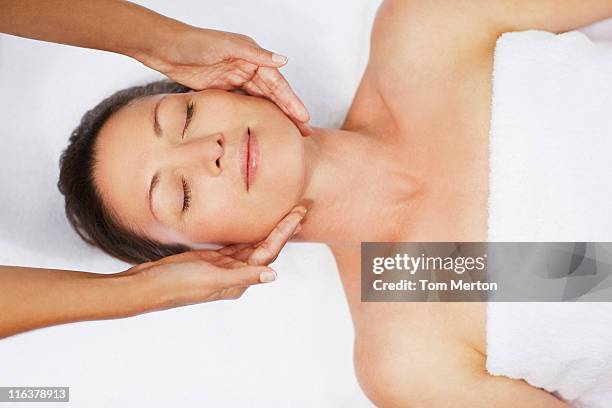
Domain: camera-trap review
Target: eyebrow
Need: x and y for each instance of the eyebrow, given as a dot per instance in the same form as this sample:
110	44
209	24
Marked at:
156	127
154	183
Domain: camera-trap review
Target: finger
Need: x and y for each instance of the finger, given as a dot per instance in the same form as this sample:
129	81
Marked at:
246	276
276	87
195	255
232	249
304	128
268	250
252	89
244	250
284	94
256	86
254	54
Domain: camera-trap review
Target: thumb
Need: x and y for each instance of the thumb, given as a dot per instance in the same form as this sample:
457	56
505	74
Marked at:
260	56
247	276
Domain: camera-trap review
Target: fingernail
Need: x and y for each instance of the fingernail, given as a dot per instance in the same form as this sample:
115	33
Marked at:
305	114
279	59
267	276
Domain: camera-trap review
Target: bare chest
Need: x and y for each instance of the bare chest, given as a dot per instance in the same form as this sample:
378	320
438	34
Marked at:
449	143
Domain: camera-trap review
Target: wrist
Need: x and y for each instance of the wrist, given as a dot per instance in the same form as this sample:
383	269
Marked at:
113	296
154	50
138	291
146	288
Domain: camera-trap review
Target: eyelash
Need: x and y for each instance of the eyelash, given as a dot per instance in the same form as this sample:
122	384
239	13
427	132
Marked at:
188	116
186	195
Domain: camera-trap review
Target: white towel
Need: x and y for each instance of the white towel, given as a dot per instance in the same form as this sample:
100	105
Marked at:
551	138
551	180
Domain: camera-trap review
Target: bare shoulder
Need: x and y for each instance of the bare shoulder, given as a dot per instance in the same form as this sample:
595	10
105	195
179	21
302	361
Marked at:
419	361
430	47
417	31
415	358
474	25
420	51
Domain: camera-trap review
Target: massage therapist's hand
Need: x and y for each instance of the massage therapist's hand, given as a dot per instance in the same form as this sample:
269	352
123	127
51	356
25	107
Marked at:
208	275
37	297
195	57
202	58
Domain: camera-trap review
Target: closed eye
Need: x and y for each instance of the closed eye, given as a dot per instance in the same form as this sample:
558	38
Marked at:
186	195
188	115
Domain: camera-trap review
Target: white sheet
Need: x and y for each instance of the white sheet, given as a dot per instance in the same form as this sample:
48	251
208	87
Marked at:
285	344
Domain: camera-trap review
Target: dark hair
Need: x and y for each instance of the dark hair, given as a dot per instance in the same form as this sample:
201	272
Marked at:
84	207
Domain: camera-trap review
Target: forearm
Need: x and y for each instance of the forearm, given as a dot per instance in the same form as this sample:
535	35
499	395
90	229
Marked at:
110	25
31	298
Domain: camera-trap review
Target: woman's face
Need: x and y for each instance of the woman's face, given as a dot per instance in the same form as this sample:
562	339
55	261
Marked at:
172	167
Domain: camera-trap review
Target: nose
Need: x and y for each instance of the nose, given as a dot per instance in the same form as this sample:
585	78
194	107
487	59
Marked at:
205	152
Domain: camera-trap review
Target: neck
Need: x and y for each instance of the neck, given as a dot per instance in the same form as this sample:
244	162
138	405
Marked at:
357	187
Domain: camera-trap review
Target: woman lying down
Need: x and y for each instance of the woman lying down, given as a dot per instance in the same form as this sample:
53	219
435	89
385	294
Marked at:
170	169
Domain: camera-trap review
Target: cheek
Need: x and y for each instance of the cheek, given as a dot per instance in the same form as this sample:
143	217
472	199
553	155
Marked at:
212	219
224	217
286	166
288	183
230	219
280	187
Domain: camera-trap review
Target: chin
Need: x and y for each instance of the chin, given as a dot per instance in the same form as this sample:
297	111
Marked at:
281	171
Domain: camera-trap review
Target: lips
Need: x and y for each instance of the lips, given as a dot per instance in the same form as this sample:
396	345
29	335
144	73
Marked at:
249	157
